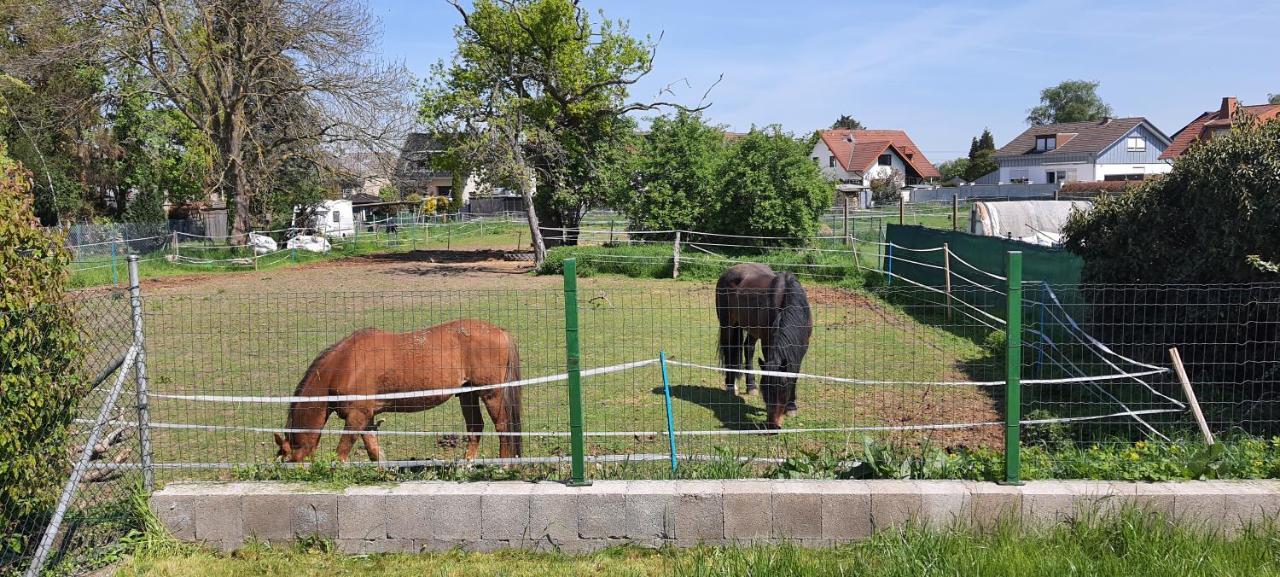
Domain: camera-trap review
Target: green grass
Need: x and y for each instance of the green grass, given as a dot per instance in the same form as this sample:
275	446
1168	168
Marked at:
261	343
829	262
1128	544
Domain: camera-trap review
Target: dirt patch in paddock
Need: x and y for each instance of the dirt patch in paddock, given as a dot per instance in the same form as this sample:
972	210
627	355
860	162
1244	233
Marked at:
407	271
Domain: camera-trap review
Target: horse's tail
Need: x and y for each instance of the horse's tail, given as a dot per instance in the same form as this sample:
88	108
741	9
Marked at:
511	395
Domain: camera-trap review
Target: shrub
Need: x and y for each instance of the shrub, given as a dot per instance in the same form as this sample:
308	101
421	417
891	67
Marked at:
675	174
1215	218
768	186
1200	223
39	350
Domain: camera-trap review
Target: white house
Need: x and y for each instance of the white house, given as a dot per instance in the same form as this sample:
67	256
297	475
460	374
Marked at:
330	218
854	158
1107	149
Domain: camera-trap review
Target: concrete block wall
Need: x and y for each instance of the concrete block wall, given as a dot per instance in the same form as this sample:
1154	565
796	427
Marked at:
435	516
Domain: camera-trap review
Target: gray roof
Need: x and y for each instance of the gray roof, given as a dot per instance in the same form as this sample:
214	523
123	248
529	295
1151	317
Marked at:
1091	137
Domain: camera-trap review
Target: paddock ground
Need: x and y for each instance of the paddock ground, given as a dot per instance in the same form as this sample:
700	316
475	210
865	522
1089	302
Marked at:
254	333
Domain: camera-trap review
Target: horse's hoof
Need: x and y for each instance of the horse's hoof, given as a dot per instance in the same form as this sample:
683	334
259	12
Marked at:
732	389
792	409
751	389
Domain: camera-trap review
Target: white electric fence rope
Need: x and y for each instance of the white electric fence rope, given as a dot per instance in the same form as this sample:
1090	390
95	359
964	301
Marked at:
402	395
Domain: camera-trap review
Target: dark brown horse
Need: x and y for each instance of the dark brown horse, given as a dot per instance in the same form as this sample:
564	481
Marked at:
461	353
753	303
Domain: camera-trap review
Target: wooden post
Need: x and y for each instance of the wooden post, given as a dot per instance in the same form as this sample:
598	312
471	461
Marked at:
901	215
955	212
519	237
1191	395
611	232
675	257
857	261
846	219
946	270
173	240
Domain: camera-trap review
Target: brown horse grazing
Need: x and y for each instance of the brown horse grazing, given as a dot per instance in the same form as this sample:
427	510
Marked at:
459	353
754	303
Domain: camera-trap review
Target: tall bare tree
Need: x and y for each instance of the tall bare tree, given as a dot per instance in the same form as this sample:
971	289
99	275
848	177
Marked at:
265	80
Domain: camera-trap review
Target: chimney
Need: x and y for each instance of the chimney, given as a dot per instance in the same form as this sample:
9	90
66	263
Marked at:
1228	109
1105	121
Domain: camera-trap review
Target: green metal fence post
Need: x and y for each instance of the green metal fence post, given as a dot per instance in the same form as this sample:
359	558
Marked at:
1013	369
573	360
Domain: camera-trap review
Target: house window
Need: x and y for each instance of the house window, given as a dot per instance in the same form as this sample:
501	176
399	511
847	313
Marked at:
831	161
1135	144
1046	143
444	190
1018	176
885	160
1059	176
1123	177
335	216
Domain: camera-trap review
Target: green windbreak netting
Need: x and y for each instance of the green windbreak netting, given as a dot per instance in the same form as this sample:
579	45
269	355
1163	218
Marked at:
975	262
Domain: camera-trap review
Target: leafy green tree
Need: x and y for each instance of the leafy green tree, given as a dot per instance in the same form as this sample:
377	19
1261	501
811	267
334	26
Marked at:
1069	101
675	174
537	92
1273	98
162	156
769	187
848	123
39	358
954	168
982	160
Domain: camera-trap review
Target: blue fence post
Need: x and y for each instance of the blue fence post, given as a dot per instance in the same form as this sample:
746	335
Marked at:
671	425
888	266
115	273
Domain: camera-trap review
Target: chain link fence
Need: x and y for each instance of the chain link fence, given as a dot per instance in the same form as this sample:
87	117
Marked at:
76	517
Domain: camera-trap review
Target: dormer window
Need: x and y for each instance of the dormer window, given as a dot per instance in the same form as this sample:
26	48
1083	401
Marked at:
831	161
1046	143
1135	144
885	160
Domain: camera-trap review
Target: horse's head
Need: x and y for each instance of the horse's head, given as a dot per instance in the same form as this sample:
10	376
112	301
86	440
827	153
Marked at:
777	391
296	447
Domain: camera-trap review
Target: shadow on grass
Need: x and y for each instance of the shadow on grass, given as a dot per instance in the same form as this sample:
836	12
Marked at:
731	410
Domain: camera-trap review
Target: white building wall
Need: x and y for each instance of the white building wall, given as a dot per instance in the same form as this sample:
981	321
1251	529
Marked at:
895	162
823	154
1038	174
1102	170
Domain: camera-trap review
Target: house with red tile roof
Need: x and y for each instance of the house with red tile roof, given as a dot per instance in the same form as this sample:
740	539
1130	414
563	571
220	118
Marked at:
1106	149
854	158
1214	122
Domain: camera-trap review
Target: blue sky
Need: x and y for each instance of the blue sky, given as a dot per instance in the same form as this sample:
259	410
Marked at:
941	70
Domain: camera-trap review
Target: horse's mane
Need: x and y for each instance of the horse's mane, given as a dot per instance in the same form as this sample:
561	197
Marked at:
314	368
792	322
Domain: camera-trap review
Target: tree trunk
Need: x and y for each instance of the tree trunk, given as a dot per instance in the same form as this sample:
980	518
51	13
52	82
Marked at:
235	181
535	230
